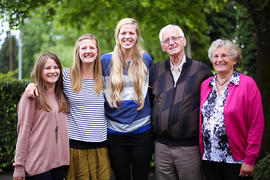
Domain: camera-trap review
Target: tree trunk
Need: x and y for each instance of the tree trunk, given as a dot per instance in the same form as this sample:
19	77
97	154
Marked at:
262	24
261	19
10	50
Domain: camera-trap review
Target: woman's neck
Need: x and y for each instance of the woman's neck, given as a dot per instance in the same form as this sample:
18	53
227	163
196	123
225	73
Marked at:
128	54
223	79
88	70
224	76
50	88
50	92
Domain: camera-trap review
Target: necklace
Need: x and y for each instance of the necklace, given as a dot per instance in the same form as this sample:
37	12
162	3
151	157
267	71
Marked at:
220	85
56	127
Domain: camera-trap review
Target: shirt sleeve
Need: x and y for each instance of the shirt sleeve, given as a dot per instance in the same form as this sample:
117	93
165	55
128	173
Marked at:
26	113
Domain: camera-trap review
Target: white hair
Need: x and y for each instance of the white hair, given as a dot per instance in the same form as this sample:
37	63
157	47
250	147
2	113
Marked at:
181	33
233	48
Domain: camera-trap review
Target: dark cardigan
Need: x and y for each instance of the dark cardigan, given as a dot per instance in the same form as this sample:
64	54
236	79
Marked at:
175	110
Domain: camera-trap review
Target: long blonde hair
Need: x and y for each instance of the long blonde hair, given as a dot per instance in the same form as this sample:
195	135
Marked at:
76	69
136	72
36	77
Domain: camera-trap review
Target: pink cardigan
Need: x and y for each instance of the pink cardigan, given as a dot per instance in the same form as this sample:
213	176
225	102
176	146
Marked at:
37	149
243	116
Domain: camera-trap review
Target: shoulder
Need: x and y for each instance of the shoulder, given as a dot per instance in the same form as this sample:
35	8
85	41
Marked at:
246	78
161	63
247	81
106	61
199	67
26	102
206	82
147	59
24	99
66	72
106	57
159	68
201	64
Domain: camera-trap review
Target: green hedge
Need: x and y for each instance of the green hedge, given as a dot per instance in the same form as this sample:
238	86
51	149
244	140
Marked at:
10	93
262	168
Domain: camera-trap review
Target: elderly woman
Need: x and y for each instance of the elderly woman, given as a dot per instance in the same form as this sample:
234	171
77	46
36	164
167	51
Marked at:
231	117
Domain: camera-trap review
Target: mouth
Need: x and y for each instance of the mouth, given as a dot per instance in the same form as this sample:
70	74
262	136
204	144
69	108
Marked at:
127	42
88	55
53	75
171	48
220	65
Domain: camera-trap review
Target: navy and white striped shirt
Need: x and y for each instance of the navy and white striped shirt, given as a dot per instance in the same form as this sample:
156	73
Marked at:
127	119
86	119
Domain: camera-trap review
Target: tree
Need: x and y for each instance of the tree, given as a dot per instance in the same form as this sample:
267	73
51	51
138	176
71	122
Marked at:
32	32
39	35
259	11
100	18
5	54
234	23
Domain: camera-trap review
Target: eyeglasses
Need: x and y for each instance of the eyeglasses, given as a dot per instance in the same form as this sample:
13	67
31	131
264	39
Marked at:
172	39
222	56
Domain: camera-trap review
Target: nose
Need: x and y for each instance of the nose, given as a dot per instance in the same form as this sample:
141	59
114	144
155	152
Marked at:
171	41
219	58
53	70
127	35
87	50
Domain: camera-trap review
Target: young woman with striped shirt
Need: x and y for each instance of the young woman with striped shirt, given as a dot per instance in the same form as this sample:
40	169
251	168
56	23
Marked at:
87	126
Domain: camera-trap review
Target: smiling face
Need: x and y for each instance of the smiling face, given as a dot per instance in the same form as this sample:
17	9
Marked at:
88	51
127	36
172	43
222	60
51	72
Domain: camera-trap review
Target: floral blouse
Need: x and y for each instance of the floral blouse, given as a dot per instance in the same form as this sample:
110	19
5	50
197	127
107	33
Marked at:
215	140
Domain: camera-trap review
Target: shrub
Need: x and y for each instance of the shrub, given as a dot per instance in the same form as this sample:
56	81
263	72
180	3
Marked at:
262	168
10	93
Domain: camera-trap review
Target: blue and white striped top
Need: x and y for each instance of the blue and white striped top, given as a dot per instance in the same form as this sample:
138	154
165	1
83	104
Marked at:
127	119
86	119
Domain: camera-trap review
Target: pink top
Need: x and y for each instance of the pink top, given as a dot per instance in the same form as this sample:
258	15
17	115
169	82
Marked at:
39	147
243	116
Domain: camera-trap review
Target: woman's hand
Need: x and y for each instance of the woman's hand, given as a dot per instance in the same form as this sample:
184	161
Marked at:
246	170
31	90
19	178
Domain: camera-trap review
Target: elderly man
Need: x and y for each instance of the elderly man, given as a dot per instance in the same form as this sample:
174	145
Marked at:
175	97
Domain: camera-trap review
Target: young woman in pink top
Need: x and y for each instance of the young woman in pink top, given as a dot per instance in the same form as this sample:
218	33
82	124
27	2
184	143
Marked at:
42	148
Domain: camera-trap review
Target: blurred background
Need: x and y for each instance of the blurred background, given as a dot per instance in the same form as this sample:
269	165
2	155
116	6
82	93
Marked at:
30	27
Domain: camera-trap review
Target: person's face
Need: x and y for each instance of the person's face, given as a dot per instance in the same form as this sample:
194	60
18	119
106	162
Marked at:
88	51
51	72
223	61
172	43
127	36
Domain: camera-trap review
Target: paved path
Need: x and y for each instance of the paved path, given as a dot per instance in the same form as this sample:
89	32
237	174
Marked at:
6	176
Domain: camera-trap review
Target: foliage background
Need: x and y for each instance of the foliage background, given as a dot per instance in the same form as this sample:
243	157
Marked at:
10	92
54	25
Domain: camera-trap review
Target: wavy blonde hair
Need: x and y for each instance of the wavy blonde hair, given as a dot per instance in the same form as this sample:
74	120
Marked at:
36	77
136	72
76	71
